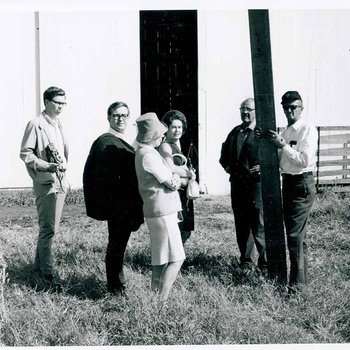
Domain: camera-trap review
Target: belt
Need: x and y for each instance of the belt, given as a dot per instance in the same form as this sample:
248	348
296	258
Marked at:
297	176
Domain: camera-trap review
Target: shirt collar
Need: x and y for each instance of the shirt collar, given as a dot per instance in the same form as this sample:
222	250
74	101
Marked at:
251	126
52	122
177	143
143	145
297	124
116	133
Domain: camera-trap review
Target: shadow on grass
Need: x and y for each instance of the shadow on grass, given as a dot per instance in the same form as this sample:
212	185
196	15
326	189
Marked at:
84	287
225	270
222	268
75	285
139	261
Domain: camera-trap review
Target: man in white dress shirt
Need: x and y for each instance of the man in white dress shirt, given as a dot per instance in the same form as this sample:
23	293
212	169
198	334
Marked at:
297	146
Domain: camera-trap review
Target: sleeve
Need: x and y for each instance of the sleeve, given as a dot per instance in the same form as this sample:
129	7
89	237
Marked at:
166	152
225	152
153	164
306	149
28	149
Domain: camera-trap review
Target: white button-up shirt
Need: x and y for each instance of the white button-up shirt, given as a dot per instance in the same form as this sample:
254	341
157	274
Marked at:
55	136
299	154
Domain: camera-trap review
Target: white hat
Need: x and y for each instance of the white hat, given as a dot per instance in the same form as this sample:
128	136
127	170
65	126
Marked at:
149	127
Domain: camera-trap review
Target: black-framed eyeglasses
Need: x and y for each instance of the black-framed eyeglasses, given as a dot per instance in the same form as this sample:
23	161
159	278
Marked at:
243	109
120	116
58	103
292	108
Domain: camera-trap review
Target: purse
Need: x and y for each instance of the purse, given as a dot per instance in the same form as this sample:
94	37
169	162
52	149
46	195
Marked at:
192	190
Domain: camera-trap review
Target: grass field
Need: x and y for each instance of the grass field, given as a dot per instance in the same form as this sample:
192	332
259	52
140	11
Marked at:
211	302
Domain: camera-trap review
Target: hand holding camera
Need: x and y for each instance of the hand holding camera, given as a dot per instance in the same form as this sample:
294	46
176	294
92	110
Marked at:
54	158
53	167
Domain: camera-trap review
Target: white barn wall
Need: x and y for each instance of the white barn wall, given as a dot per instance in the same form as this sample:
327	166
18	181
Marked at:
94	56
225	80
17	91
310	53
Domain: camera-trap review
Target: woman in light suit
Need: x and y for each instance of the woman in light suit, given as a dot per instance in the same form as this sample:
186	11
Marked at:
158	187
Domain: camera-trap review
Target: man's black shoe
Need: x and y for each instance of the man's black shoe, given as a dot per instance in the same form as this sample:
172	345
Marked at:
264	272
246	270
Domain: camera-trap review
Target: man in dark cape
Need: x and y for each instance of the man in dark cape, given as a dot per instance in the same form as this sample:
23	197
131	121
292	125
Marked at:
111	191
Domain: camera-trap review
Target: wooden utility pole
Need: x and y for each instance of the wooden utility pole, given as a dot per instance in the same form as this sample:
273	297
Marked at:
37	62
269	164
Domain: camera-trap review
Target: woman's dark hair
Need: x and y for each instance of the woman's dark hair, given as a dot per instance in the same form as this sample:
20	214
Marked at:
175	115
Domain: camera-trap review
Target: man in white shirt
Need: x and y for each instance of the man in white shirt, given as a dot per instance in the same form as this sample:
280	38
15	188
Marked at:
48	173
297	146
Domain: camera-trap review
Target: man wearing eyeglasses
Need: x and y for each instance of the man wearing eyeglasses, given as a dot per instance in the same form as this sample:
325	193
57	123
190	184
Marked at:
44	150
111	191
297	147
240	158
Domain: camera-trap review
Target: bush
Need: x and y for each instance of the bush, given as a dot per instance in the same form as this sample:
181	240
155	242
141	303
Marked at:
25	198
331	205
17	198
75	196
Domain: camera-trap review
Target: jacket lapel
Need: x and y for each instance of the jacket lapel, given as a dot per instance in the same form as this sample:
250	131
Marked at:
43	128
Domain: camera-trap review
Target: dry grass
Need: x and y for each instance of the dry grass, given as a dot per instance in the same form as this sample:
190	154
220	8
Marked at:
211	303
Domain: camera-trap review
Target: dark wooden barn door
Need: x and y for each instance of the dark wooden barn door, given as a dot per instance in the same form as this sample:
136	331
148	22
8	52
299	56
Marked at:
169	60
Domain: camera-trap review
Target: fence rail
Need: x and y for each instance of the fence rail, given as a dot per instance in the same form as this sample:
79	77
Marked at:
333	157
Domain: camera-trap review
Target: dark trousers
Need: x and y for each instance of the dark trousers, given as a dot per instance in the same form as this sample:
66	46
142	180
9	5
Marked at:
247	208
117	241
298	196
187	224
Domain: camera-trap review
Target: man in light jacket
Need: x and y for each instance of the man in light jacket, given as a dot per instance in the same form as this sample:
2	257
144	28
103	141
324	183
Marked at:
44	150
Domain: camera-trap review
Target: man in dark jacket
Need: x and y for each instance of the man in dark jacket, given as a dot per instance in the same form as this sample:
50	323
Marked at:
240	158
111	191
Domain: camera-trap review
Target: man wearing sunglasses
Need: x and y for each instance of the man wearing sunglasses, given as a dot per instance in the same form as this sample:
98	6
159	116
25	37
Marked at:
297	147
111	191
44	150
240	158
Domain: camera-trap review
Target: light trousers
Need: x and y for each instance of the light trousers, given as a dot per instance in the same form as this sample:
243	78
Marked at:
49	207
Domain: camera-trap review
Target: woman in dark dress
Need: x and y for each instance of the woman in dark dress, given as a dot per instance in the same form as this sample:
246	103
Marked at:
170	150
